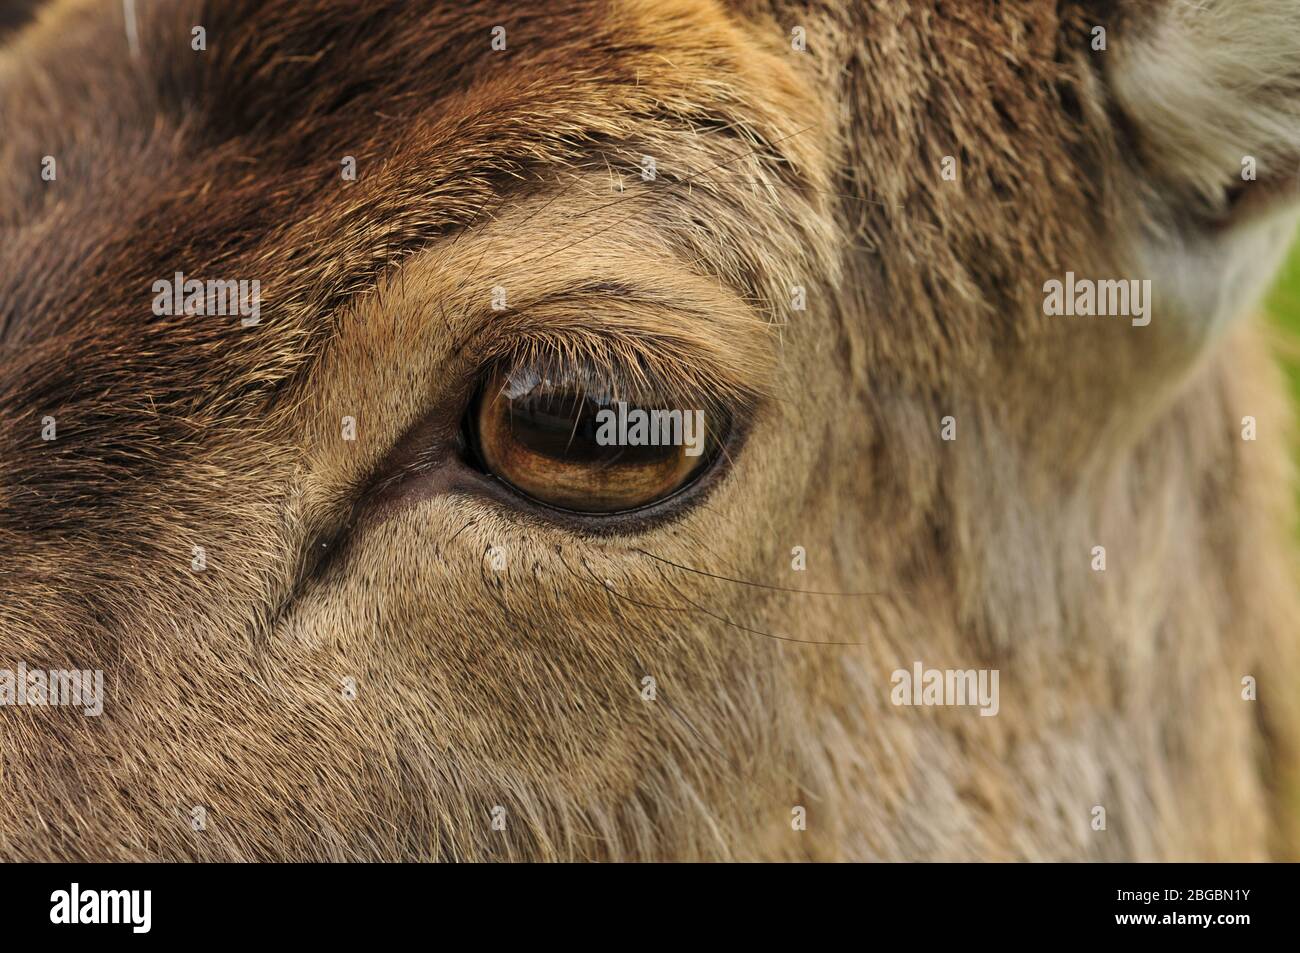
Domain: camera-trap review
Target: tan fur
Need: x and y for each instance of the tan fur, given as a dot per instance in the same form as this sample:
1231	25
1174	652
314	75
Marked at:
521	688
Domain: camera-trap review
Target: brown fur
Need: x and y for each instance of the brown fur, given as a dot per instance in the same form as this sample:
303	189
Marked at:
522	688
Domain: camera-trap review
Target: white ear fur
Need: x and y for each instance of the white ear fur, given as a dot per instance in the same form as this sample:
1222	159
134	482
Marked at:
1210	82
1207	84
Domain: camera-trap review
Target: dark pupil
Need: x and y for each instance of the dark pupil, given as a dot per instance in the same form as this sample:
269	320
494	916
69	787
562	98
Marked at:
564	425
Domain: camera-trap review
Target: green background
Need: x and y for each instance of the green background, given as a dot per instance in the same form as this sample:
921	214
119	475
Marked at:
1284	305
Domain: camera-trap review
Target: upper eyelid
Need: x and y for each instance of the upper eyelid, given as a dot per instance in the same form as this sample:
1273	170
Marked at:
609	382
629	280
642	338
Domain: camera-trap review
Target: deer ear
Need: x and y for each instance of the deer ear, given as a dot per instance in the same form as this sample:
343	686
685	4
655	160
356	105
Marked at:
1212	89
1210	94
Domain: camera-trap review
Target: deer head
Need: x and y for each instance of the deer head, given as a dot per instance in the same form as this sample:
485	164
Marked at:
324	332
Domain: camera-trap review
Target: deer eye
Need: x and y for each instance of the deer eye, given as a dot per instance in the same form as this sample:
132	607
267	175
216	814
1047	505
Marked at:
572	441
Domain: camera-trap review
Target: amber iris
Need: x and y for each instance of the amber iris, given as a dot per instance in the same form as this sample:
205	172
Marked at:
564	443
